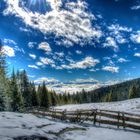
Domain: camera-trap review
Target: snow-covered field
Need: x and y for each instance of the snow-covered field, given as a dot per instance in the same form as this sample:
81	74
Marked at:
132	105
13	125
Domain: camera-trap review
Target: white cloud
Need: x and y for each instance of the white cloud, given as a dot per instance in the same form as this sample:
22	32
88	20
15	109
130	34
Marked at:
31	76
24	29
46	80
93	70
59	54
72	22
116	28
33	66
17	48
89	80
118	33
78	52
47	61
111	69
45	46
136	7
33	56
135	37
87	62
110	42
39	64
137	54
9	41
31	44
122	60
9	51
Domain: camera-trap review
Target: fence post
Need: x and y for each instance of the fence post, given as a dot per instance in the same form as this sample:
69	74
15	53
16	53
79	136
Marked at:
77	117
53	113
64	115
95	114
123	119
118	119
99	117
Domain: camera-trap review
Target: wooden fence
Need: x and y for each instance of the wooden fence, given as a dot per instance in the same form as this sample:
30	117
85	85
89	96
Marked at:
117	118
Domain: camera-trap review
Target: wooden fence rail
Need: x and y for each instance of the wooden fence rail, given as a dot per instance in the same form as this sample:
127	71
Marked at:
117	118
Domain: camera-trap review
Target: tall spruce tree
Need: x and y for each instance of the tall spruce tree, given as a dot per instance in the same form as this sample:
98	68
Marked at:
25	89
4	89
16	98
53	98
34	97
133	92
44	97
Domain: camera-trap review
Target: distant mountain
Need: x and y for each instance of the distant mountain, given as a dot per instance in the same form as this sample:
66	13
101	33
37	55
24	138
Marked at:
121	91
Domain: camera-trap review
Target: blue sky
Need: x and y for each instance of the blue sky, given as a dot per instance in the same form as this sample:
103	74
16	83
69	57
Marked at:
72	44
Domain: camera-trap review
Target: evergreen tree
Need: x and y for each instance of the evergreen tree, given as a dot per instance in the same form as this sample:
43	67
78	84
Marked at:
53	98
4	89
84	96
39	90
133	92
65	98
34	97
25	89
16	99
44	97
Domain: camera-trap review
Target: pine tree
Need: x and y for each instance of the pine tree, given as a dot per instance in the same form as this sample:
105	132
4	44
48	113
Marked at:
34	97
4	89
133	92
25	89
39	90
16	99
53	98
44	97
84	96
65	98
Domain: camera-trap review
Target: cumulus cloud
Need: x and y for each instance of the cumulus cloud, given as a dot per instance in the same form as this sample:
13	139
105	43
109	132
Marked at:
31	76
9	41
33	56
31	44
136	7
135	37
87	62
39	63
24	29
110	42
73	22
33	66
116	28
47	61
84	81
45	46
122	60
111	69
59	54
118	32
78	52
9	51
137	54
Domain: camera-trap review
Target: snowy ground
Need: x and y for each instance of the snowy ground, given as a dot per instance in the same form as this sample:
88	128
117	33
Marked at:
13	125
132	105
